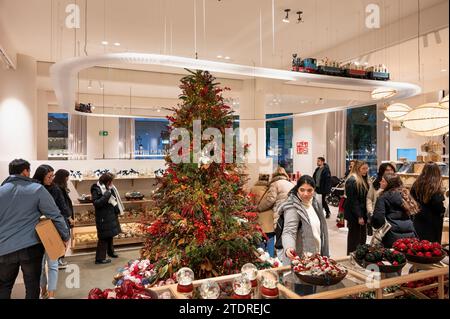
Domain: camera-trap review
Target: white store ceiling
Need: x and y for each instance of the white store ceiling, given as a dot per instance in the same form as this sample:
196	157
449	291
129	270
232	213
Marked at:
227	27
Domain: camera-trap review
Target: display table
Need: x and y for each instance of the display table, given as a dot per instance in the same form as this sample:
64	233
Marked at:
358	280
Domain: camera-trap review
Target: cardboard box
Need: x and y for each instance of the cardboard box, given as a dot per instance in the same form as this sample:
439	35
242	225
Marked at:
54	245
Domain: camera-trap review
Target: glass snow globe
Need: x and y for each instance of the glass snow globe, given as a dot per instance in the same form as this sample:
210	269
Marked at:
242	287
251	272
269	284
210	290
185	277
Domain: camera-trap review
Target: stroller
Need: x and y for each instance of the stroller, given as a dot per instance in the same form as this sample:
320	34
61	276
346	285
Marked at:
337	191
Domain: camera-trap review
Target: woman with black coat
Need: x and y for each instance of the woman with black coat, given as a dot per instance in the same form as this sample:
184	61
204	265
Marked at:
395	206
60	193
427	191
107	209
355	209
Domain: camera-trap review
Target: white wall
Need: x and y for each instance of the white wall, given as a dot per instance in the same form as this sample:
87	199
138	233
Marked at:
42	125
102	146
405	139
313	130
87	165
18	110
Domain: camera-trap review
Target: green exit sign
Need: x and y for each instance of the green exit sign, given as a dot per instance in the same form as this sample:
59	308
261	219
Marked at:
103	133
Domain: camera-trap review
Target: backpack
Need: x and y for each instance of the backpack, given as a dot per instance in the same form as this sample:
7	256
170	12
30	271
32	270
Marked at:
279	231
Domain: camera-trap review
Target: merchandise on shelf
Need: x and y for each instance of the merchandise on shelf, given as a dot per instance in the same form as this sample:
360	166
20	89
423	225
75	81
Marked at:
134	195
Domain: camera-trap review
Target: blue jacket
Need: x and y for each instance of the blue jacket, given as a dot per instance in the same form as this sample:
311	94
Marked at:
22	202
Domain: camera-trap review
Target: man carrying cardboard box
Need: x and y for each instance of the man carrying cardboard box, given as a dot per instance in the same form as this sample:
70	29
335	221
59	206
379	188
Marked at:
22	202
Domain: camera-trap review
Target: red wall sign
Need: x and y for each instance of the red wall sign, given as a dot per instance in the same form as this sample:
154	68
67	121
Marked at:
302	147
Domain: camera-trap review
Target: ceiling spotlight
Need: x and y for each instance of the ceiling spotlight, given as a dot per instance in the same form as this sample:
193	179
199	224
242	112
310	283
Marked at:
158	110
105	42
286	18
117	44
300	18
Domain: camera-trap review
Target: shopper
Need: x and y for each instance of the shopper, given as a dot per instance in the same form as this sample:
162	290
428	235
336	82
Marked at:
278	190
305	228
322	178
350	167
60	191
427	190
22	202
396	207
375	190
265	218
355	209
107	208
44	175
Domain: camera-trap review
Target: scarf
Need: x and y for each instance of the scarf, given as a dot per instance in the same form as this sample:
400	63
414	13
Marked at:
113	200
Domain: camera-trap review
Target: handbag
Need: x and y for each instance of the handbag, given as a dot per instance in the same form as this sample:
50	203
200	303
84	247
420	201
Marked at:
379	233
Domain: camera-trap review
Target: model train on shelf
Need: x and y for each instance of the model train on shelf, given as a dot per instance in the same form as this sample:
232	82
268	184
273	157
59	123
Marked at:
329	67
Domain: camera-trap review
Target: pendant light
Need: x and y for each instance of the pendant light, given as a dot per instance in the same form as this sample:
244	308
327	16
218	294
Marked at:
444	102
397	111
383	93
429	119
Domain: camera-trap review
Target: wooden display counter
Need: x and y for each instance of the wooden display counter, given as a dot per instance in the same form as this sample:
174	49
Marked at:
357	281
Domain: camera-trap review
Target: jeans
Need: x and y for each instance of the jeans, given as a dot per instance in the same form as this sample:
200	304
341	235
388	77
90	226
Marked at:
103	246
269	245
30	261
52	273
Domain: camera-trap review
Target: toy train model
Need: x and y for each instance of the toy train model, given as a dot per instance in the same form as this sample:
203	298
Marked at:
329	67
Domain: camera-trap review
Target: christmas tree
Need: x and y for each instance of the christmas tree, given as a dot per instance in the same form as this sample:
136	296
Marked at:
204	219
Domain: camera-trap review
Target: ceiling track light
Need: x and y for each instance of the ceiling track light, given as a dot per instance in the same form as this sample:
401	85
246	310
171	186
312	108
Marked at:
286	18
300	18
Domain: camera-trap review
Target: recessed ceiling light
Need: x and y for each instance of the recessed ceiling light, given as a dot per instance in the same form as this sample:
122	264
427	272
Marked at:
89	85
117	44
105	42
444	70
219	57
227	58
158	110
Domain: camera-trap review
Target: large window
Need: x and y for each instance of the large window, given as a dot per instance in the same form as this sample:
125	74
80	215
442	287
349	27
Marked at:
362	136
284	151
58	133
152	138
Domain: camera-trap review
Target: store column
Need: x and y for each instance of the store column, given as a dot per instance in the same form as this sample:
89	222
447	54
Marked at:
18	125
253	131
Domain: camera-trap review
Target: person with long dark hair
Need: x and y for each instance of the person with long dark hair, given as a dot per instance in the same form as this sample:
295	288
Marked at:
305	228
355	208
60	192
428	192
375	189
396	207
107	209
44	174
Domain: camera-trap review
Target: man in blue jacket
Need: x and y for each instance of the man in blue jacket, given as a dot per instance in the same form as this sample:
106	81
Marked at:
22	202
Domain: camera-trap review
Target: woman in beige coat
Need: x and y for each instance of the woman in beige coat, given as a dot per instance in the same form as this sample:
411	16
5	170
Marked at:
278	190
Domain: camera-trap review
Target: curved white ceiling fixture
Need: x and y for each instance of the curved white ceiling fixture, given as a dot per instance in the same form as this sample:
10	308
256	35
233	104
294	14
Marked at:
63	74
